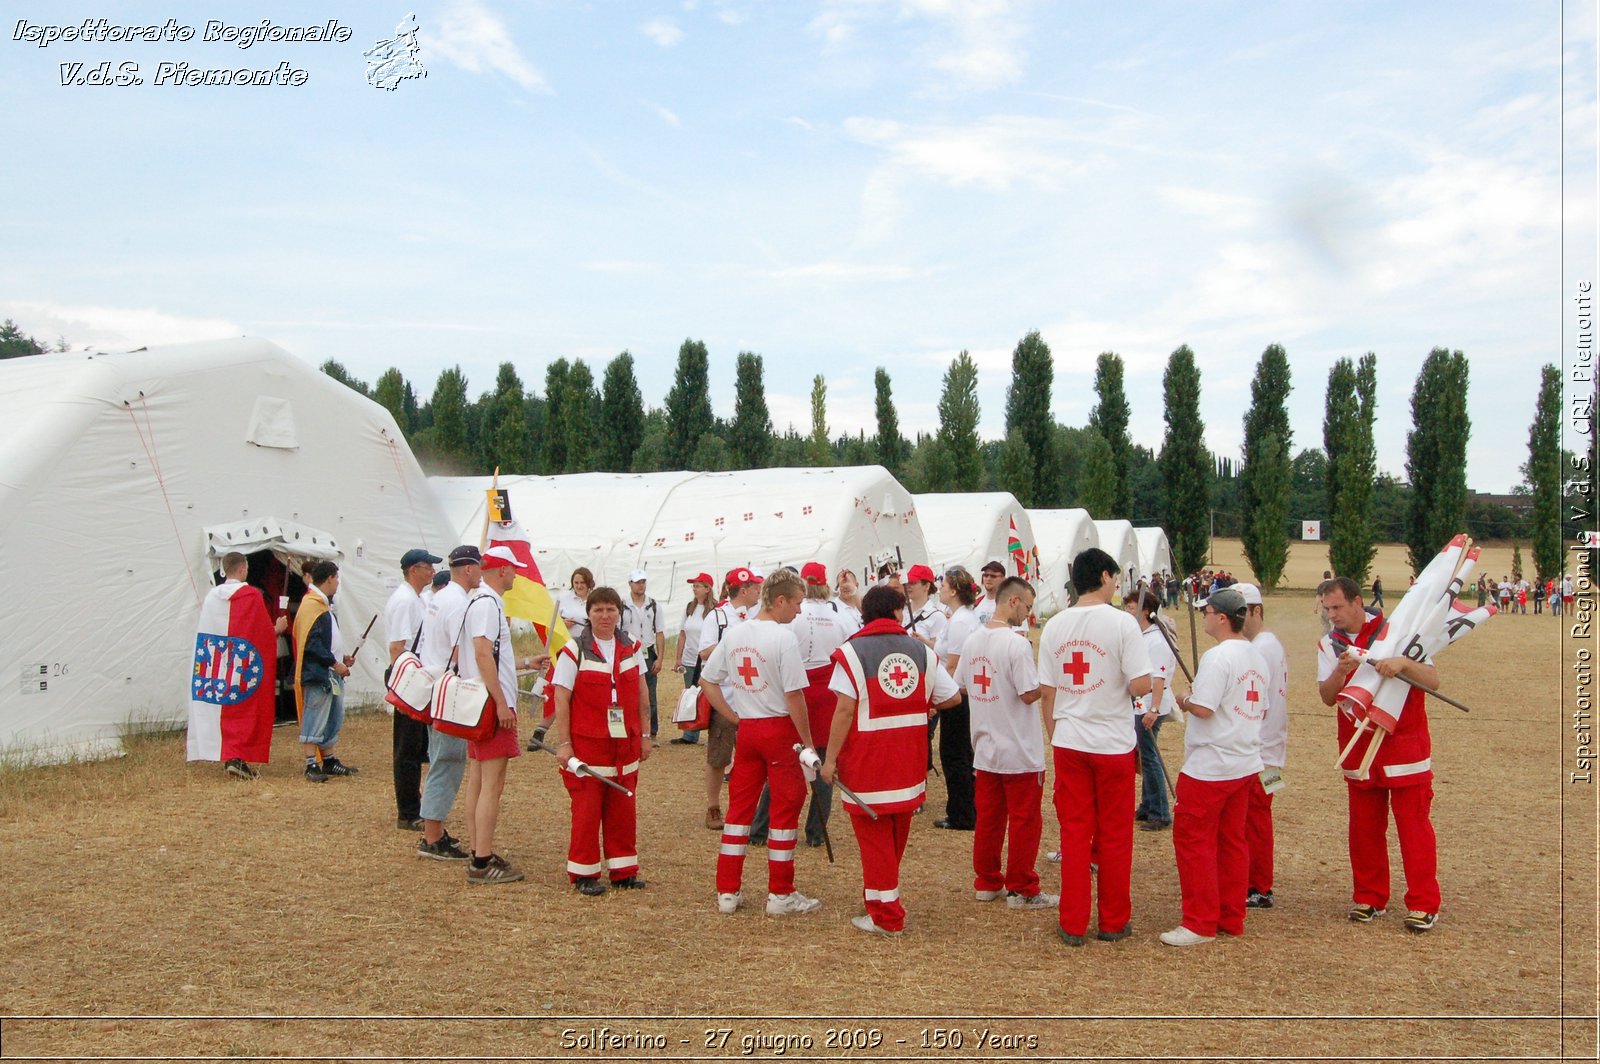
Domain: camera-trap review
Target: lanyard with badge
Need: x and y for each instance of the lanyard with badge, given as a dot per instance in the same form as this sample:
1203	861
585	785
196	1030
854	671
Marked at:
616	727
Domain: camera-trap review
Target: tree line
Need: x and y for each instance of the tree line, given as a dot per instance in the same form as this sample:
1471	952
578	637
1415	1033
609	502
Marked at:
575	425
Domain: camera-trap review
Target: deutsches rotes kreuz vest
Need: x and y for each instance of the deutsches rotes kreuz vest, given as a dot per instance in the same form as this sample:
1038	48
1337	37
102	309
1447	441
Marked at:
885	755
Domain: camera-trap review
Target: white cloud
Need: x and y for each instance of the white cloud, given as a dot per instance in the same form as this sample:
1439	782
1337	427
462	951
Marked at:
620	266
112	328
476	40
663	31
994	152
669	117
843	271
961	45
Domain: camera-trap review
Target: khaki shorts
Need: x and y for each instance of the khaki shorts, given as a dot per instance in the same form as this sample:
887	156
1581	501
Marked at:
720	738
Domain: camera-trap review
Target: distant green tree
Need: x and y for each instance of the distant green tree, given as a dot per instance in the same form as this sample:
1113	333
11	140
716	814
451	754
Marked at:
689	413
1265	533
1186	468
332	368
579	413
1544	475
961	464
1097	488
503	436
395	395
651	456
14	343
621	416
750	434
1028	412
1308	501
1436	455
451	443
1015	473
819	453
891	446
553	454
1110	418
1352	465
710	454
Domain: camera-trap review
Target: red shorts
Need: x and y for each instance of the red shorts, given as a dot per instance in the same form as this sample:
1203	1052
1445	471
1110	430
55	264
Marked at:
503	743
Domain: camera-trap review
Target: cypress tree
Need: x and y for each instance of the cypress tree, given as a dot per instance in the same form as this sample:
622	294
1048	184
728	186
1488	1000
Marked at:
1352	465
1097	486
1543	473
1028	412
621	415
450	441
1185	472
1016	466
1436	455
554	452
1110	418
689	404
503	438
1339	411
958	460
891	448
1266	539
578	409
818	452
750	435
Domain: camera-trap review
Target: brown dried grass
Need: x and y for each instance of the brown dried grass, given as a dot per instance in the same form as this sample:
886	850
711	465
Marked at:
146	887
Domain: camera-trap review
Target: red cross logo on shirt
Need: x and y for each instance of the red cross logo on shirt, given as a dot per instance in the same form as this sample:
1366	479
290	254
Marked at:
983	680
748	672
1252	695
1077	668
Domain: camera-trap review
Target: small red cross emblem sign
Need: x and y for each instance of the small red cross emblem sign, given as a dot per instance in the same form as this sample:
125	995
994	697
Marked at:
748	672
983	680
899	675
1077	668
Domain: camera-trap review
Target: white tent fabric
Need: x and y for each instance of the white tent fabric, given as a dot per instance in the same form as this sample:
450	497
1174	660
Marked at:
1155	554
124	477
676	525
1116	538
1063	535
971	528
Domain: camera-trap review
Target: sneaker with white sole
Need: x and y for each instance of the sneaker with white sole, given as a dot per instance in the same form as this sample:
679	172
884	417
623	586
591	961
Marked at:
791	904
728	904
1054	857
864	922
1364	914
498	870
1182	936
446	849
1040	900
1418	921
989	895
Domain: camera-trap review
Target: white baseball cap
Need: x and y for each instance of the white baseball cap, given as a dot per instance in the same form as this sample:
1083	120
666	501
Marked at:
637	575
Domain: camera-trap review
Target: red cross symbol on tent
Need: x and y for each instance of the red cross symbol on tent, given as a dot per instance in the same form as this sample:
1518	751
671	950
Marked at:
983	680
748	672
1077	668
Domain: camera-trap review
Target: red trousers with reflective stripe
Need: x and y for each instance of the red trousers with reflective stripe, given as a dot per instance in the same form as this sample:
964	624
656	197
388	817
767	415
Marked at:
1369	845
1258	837
598	810
763	755
883	843
1094	802
1007	802
1208	838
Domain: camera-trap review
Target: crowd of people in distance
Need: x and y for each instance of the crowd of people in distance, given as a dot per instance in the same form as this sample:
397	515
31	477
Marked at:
1514	593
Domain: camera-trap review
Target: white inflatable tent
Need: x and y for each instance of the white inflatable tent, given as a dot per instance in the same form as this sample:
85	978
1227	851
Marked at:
127	476
971	528
676	525
1063	535
1116	538
1155	554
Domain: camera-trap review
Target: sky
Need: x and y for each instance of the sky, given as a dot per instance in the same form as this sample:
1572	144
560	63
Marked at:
836	185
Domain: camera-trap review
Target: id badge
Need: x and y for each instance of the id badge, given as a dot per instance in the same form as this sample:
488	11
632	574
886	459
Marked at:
1272	780
614	723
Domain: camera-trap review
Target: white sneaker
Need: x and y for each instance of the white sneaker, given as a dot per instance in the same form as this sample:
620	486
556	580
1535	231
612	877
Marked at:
787	904
989	895
1033	901
1182	936
1054	857
864	922
728	904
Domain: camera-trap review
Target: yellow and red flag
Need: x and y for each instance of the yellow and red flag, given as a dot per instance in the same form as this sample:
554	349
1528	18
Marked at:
528	597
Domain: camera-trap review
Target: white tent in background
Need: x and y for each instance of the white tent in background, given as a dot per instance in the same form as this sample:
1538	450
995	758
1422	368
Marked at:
675	525
125	479
1117	539
1063	534
971	528
1155	554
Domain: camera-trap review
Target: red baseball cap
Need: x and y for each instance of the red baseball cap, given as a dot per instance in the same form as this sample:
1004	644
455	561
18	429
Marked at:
814	573
703	578
920	573
741	576
496	557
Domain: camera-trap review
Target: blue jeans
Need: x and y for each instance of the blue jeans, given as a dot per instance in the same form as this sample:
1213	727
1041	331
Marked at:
323	717
1153	801
447	763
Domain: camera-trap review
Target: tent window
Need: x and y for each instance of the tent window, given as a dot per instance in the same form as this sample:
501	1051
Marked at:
272	424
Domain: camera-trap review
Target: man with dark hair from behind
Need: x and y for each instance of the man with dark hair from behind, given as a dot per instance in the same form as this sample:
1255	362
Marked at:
320	668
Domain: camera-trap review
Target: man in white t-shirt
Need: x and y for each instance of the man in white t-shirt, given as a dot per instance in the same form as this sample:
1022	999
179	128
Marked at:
1092	663
997	670
402	622
758	664
1222	759
641	622
990	576
447	754
1274	748
744	594
485	654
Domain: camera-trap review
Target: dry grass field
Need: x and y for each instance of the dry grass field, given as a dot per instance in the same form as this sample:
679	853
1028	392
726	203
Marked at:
161	910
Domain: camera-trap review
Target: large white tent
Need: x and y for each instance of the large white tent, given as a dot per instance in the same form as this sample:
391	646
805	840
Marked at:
971	528
1063	535
675	525
123	480
1117	539
1155	554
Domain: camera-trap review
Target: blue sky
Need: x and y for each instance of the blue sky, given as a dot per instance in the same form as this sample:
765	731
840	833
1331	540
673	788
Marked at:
837	186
